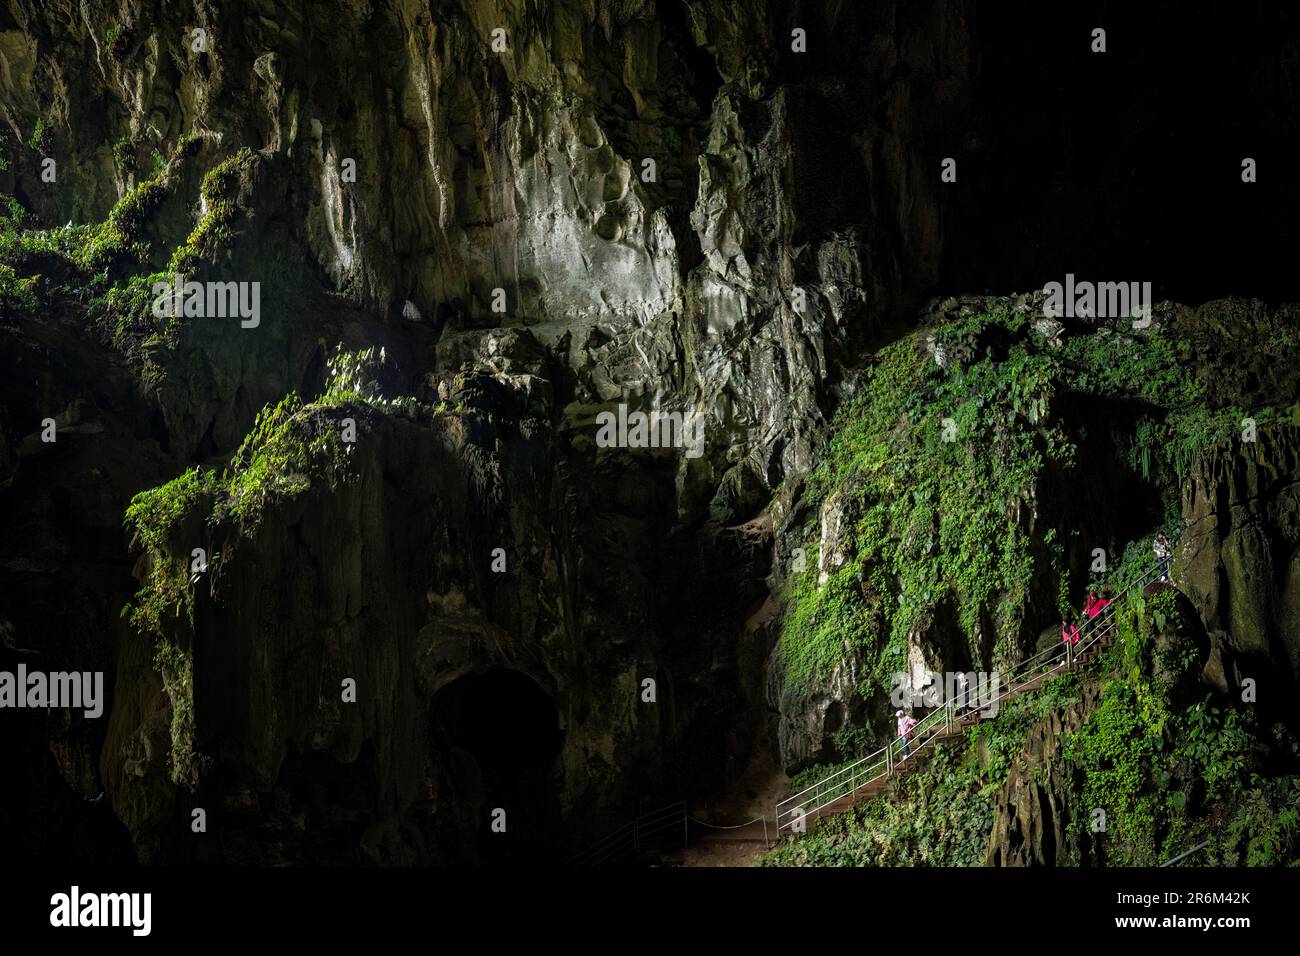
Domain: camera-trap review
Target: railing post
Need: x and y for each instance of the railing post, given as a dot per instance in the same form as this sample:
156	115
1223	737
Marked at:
949	716
889	760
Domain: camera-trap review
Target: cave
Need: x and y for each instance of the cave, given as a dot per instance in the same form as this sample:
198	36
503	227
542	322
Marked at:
500	732
474	258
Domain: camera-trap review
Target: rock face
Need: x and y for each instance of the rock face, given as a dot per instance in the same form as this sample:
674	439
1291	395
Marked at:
387	581
1239	559
1032	811
623	202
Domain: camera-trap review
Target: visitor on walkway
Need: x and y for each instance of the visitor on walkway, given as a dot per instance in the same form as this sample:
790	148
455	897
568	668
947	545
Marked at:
1094	605
905	725
1069	633
1163	552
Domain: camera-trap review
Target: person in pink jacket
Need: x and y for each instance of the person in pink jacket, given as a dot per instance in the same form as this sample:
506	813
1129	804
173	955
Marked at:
905	725
1069	633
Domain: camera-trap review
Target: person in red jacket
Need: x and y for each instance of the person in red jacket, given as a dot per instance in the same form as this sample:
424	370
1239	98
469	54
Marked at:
1094	605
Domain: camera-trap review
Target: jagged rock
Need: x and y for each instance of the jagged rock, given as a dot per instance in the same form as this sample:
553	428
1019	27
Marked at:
1237	559
1033	809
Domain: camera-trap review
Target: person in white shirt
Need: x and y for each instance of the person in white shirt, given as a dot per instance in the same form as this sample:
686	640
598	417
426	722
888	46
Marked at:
1163	552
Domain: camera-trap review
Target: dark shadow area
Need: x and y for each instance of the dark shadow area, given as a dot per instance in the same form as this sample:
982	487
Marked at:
1107	502
43	820
502	735
1127	165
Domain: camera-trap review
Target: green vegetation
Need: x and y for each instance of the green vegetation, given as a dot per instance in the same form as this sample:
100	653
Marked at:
176	665
933	527
153	516
941	813
290	448
1156	372
101	264
927	535
17	293
124	155
215	228
936	533
1168	776
12	214
116	41
39	140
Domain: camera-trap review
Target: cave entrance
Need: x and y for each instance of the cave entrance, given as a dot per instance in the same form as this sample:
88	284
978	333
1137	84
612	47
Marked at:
502	732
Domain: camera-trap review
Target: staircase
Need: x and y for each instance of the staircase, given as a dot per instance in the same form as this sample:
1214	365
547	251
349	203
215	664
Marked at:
866	777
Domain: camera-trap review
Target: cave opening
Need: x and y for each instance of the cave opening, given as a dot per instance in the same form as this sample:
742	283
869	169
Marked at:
502	734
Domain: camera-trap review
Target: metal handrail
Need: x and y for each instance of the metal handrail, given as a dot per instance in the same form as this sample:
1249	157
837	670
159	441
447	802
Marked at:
630	834
1055	658
1183	856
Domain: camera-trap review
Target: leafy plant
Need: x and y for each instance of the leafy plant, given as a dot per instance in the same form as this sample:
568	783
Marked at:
39	140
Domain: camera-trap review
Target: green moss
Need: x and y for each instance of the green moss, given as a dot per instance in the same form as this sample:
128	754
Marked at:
121	239
222	180
291	448
13	215
17	293
187	147
39	140
165	600
154	514
215	229
176	666
124	155
116	42
100	259
937	531
935	528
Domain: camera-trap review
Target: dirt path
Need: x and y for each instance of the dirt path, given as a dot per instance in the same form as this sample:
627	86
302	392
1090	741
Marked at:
752	796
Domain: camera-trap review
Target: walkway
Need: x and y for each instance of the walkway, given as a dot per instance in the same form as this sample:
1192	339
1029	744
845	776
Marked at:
707	843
